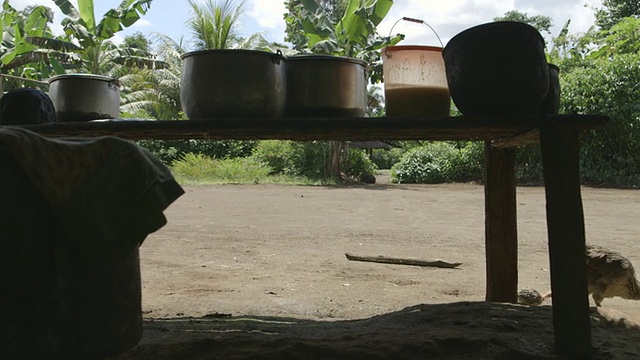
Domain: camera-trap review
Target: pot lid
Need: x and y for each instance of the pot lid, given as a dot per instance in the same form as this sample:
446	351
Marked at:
503	26
326	57
82	76
228	51
411	47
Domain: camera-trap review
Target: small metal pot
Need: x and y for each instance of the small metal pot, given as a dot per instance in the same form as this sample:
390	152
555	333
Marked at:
319	85
84	97
232	83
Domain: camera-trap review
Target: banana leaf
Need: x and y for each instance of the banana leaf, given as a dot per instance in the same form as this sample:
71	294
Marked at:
53	44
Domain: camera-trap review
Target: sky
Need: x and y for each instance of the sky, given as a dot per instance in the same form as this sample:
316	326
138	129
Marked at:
447	18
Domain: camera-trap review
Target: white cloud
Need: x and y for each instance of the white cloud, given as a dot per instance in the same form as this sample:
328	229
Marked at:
268	18
142	23
450	17
447	17
268	13
117	39
21	4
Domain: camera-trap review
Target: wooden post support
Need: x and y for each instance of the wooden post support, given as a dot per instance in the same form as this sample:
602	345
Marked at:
501	236
565	222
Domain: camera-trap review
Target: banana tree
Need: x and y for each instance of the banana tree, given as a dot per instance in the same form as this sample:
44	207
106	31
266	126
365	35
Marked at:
312	29
28	49
99	53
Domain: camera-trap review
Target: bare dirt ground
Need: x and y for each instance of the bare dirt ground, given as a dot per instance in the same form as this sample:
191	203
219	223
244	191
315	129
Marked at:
259	271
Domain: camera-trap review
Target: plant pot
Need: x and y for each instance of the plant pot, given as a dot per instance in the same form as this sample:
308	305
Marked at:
497	68
232	83
84	97
331	86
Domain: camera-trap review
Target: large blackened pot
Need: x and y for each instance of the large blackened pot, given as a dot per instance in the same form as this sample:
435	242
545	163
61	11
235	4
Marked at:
232	83
551	103
323	85
497	68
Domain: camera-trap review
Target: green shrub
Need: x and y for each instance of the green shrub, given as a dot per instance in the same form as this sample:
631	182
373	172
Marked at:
314	155
172	150
198	168
293	158
469	164
282	156
308	159
609	155
385	159
440	162
529	165
359	164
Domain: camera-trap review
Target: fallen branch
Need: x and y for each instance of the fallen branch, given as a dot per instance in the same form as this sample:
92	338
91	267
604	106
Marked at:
399	261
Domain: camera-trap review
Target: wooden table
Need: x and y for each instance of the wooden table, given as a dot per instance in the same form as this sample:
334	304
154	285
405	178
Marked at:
558	136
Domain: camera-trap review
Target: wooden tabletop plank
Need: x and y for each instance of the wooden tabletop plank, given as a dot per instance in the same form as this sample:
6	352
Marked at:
305	129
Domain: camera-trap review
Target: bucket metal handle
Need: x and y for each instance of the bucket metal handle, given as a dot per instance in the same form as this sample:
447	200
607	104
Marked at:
417	21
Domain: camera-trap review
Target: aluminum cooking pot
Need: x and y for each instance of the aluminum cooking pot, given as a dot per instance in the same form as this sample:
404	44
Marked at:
84	97
232	83
320	85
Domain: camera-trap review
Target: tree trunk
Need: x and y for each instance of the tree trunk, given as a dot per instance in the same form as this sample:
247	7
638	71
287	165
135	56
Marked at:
334	168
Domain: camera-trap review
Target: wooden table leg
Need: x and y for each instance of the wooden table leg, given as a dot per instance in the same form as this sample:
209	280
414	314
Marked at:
501	235
565	223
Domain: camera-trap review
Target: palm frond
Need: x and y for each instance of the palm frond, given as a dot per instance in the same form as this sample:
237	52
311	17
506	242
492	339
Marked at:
156	92
140	62
69	60
54	44
215	25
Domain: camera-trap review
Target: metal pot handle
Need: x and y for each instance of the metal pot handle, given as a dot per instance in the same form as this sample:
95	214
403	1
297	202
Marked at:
114	84
277	57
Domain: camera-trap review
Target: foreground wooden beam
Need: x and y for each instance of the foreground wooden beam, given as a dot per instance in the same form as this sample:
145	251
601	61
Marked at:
501	235
565	223
461	128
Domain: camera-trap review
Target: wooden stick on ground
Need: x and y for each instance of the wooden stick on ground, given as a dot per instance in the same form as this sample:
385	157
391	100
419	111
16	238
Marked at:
399	261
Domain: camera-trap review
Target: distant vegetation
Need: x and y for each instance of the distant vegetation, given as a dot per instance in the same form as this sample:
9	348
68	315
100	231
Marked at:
600	73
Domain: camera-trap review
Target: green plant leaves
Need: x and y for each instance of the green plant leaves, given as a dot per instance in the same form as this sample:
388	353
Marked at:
213	25
438	162
352	35
68	10
53	44
86	10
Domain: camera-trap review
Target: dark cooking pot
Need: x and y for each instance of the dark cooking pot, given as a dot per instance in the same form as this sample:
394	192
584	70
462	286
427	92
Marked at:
497	68
322	85
232	83
551	102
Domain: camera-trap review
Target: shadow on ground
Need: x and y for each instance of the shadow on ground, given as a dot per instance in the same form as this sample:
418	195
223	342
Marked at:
463	330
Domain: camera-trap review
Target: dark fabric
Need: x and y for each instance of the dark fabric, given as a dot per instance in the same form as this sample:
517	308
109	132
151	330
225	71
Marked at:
104	190
26	106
